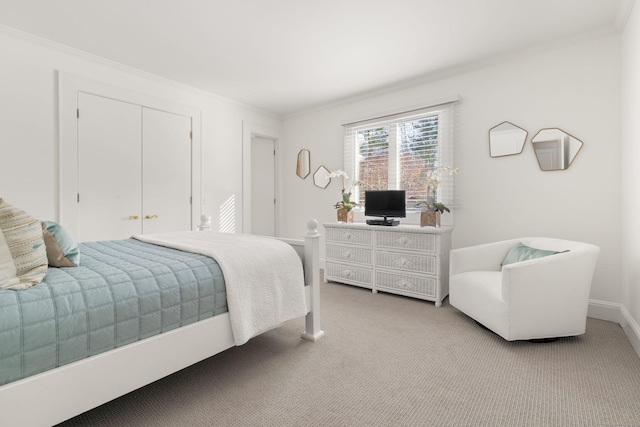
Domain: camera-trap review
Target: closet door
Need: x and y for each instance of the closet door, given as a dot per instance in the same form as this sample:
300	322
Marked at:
166	171
109	172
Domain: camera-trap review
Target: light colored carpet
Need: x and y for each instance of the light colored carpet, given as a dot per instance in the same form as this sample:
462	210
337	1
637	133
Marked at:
393	361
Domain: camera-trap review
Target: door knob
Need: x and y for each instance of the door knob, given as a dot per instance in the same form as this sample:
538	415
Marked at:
151	216
133	217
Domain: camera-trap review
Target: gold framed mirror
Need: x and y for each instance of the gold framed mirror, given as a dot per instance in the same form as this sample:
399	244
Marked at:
555	149
303	166
321	177
506	139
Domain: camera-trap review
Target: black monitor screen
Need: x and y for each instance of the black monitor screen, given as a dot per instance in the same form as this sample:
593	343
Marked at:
385	203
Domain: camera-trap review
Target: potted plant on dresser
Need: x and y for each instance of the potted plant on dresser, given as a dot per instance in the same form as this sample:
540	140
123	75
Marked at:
344	206
432	209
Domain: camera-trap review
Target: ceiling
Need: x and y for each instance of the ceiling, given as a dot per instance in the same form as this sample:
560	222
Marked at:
286	56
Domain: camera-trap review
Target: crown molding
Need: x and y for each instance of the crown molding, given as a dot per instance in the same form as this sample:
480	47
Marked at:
62	48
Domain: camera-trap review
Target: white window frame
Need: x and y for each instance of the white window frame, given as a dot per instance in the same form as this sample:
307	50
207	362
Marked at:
446	141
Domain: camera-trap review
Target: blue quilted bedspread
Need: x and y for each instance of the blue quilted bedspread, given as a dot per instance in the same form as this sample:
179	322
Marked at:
124	291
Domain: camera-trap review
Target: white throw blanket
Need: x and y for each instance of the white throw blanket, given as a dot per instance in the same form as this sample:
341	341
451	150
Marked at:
263	276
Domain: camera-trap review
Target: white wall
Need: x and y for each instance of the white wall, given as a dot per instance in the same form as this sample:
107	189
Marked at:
29	124
631	174
573	86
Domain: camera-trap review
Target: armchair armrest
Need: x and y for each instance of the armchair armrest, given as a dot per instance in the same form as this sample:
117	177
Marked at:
557	282
486	257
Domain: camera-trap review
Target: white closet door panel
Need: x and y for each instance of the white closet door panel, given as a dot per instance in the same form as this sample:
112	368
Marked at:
109	173
166	171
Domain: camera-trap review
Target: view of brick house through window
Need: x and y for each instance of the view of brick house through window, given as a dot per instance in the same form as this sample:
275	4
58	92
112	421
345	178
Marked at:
413	147
396	152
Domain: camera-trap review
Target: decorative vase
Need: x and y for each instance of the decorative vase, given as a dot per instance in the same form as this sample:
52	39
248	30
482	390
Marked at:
429	218
345	215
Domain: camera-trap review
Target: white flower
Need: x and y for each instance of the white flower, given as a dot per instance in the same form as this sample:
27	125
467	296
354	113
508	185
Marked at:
433	182
346	194
343	175
433	176
337	173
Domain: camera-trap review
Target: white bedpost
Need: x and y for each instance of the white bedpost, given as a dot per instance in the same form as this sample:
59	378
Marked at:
313	331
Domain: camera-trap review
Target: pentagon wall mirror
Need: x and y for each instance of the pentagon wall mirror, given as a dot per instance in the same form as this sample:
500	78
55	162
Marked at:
321	177
303	166
506	139
555	149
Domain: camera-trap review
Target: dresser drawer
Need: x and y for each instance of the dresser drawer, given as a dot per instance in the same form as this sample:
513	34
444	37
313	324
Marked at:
423	286
412	241
349	274
349	254
407	262
345	235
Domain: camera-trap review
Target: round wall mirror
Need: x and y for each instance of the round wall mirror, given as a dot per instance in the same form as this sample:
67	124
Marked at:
506	139
303	166
555	149
321	177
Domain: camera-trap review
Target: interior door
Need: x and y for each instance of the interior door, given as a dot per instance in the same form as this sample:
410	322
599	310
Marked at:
109	172
166	171
263	218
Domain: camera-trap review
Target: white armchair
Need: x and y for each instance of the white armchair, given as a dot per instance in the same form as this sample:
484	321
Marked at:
536	299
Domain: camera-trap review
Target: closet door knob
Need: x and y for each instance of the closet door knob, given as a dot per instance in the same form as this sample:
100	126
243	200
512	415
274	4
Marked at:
151	216
133	217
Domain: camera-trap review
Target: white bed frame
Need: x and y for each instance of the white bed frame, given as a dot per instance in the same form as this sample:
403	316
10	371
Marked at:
62	393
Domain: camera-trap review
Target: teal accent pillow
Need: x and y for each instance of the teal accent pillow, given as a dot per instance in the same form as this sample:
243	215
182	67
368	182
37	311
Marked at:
67	245
521	252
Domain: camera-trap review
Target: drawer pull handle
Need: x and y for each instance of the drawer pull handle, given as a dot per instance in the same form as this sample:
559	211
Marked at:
347	236
404	241
346	255
347	273
403	262
403	284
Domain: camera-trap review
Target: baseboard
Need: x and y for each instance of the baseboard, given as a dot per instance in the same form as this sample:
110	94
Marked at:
603	310
631	330
615	312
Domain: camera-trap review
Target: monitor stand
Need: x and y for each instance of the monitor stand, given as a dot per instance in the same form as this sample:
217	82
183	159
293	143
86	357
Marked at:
385	221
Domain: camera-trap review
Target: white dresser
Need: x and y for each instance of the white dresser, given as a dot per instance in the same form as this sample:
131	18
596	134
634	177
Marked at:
405	259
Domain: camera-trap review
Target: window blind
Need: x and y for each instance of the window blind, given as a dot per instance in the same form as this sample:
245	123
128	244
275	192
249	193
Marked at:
396	151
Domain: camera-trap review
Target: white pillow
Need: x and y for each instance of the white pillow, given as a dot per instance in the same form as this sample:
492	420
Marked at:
8	276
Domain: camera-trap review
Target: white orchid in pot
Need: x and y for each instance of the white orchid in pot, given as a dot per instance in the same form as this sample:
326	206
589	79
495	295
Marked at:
344	206
432	209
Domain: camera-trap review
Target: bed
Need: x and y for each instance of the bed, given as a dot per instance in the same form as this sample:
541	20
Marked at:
101	362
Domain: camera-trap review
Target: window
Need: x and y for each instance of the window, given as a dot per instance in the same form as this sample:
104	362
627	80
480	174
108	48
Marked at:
395	152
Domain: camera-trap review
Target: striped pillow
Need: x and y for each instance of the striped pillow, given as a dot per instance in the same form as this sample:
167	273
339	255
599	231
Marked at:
8	277
23	235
